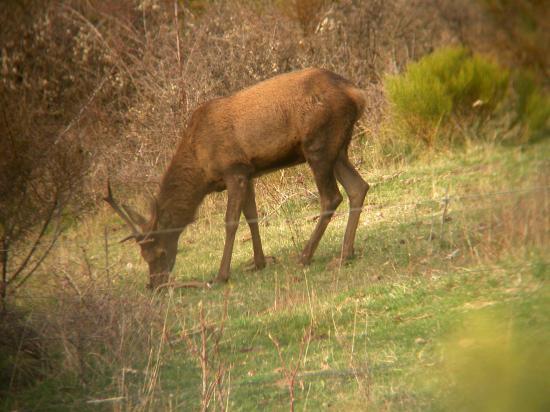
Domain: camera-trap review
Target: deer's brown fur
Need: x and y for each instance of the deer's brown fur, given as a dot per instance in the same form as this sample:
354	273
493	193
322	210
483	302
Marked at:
304	116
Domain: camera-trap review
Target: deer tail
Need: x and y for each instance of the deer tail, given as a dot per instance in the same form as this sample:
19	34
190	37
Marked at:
360	98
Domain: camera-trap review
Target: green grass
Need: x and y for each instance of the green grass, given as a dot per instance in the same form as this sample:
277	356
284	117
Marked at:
385	328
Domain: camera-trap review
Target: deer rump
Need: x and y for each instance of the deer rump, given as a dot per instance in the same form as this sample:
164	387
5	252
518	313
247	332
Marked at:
304	116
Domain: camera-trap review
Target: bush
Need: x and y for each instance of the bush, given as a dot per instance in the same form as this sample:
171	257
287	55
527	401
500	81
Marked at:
85	339
448	84
532	107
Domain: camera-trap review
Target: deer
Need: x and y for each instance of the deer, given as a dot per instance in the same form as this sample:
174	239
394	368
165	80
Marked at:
305	116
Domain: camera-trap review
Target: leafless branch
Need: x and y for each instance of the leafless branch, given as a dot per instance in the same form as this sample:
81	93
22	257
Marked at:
45	225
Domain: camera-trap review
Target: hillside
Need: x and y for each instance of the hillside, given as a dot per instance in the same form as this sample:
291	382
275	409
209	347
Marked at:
379	331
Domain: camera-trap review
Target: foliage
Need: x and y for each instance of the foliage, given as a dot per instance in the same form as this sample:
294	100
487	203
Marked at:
82	337
448	85
532	106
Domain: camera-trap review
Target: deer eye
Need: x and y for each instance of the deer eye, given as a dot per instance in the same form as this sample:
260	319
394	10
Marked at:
161	254
147	254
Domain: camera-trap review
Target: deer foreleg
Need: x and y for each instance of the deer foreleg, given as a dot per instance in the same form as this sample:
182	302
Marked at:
237	187
356	188
330	199
251	214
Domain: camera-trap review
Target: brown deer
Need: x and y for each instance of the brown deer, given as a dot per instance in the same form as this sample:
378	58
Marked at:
303	116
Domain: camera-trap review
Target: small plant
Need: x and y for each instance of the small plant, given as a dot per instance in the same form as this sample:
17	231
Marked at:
449	84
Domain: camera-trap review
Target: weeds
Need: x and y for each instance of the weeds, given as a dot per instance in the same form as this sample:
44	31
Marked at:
289	370
82	338
205	348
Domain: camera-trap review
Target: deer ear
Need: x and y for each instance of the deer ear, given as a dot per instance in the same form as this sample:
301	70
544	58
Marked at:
135	216
128	238
154	207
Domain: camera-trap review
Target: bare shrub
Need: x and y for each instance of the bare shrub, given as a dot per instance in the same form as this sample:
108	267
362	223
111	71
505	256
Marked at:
22	353
231	45
53	75
520	33
133	71
85	337
122	77
307	13
39	180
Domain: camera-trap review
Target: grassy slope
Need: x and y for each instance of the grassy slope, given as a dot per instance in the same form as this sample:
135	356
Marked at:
383	327
378	323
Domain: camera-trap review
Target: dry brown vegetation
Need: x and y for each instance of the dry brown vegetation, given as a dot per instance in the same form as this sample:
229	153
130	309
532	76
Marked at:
120	78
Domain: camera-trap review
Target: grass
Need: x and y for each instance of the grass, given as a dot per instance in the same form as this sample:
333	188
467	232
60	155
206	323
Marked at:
391	330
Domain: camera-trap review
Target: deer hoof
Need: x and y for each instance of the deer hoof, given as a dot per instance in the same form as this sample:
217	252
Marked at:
304	260
251	265
218	280
339	262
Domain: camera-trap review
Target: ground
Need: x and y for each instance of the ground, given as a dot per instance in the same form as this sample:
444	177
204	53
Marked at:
449	286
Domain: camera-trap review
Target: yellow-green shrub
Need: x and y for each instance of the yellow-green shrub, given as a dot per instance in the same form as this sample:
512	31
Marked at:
451	82
532	107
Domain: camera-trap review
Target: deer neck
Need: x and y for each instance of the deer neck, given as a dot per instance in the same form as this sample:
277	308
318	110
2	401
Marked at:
181	192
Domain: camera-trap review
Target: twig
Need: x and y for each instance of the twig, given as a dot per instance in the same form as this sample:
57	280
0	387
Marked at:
198	284
183	97
4	255
37	241
115	399
72	283
56	235
445	202
77	117
106	248
290	371
206	353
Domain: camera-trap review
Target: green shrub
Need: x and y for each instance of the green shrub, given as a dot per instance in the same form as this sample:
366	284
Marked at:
449	83
532	107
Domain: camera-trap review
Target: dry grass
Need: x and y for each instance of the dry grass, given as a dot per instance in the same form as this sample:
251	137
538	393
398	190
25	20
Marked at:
83	336
91	323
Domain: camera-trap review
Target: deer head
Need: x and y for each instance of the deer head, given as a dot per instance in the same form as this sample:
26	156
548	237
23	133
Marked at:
158	247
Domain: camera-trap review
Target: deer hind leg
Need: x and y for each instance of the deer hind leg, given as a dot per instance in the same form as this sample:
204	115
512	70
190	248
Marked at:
251	215
330	199
356	188
237	187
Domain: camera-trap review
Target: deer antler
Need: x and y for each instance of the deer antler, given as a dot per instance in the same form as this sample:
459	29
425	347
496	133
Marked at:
136	232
